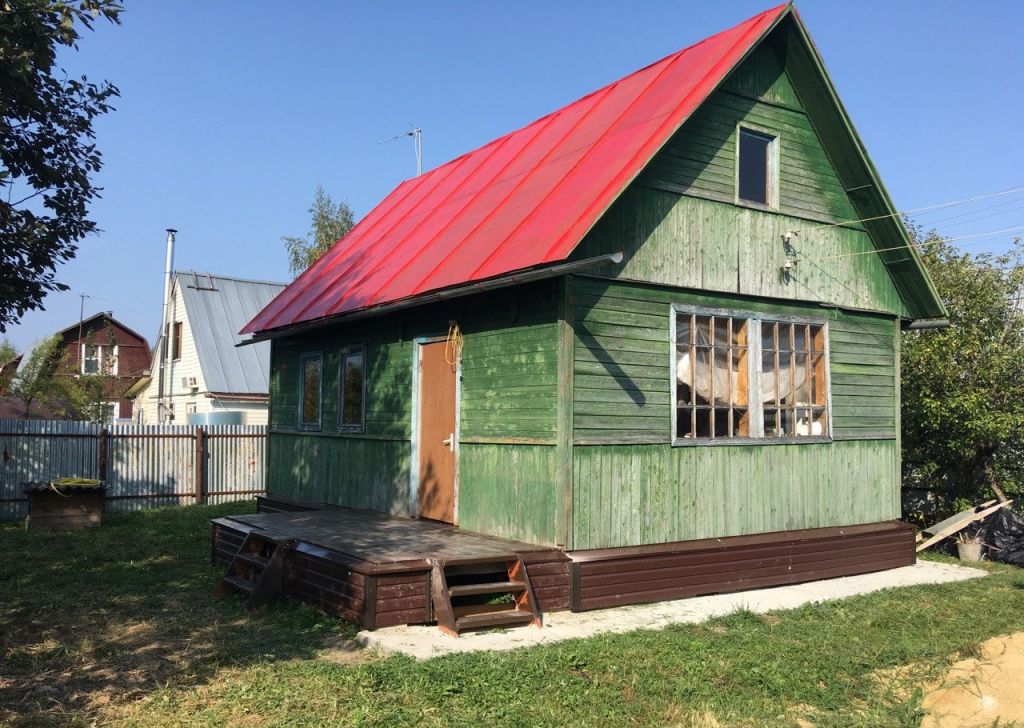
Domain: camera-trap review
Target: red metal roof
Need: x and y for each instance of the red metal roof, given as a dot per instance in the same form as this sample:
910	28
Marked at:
524	200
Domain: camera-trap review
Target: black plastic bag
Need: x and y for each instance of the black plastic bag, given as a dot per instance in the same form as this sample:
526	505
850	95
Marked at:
1003	534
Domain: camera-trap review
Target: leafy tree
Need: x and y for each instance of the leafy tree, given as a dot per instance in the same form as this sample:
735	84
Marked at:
330	223
37	380
963	387
7	354
47	154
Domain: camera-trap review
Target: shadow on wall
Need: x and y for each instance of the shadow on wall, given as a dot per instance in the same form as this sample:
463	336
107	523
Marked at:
363	470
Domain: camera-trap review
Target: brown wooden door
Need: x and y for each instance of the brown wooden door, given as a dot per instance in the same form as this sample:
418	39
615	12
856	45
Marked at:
437	434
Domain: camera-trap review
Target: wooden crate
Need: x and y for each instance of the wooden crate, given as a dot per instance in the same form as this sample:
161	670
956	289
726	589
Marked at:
74	509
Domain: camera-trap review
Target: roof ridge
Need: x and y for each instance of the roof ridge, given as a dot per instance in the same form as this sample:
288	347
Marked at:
204	274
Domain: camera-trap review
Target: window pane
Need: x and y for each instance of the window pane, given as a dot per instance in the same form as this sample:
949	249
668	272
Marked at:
711	376
352	390
683	329
753	167
311	391
91	364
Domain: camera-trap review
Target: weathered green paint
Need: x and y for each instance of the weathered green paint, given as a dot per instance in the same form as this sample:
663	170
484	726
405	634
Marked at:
510	491
854	167
622	361
347	471
642	494
508	393
678	223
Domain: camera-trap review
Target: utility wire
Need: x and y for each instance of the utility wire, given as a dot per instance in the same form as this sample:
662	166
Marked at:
925	244
916	210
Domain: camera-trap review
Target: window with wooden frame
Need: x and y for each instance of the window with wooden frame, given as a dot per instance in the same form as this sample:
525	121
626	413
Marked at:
743	377
311	368
176	341
756	167
352	389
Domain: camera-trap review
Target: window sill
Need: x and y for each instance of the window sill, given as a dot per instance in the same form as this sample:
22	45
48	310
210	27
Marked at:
747	441
755	205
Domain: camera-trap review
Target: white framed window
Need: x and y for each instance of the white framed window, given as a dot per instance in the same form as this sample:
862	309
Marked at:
757	167
741	376
111	411
98	359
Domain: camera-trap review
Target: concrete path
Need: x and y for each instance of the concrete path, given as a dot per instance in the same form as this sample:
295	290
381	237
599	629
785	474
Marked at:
426	642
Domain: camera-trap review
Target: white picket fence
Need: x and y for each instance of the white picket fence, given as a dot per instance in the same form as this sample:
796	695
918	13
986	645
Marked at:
143	466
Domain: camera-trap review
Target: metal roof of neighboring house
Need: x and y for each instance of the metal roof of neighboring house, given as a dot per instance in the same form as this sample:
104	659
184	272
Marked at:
217	307
521	201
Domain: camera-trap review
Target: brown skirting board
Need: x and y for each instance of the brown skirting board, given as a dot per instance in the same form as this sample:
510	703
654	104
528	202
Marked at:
635	575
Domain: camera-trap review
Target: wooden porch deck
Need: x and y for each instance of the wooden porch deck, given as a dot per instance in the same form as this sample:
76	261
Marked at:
378	570
385	543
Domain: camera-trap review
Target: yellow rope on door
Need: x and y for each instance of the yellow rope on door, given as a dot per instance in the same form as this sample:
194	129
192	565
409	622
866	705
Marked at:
453	345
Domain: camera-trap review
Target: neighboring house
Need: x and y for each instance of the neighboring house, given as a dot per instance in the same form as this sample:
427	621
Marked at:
99	345
660	321
206	373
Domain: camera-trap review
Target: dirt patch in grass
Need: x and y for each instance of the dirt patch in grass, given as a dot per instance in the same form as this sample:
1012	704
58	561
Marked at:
984	690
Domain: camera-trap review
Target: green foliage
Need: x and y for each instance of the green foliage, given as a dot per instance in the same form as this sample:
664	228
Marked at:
330	222
47	154
7	352
36	381
963	387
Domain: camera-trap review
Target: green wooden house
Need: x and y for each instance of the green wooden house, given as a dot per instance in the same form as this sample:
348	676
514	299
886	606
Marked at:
656	332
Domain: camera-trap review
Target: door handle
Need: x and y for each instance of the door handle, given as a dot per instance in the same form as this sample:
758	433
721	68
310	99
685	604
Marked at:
449	441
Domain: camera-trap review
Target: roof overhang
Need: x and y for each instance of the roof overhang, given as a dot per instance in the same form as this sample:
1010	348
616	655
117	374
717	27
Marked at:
516	278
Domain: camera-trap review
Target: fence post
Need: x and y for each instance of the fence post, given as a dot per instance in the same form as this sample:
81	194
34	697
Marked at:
200	470
104	434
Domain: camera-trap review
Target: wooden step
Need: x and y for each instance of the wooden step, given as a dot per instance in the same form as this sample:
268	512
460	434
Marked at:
506	618
491	587
243	585
254	559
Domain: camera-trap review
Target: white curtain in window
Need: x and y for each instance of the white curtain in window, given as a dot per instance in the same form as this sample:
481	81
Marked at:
718	383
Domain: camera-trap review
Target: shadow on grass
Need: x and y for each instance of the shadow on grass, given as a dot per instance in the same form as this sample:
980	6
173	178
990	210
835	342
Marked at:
112	613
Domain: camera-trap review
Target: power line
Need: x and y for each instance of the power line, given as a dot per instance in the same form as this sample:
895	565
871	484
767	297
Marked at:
925	244
916	210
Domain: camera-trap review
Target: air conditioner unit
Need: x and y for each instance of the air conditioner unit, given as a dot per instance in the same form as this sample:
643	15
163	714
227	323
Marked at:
189	383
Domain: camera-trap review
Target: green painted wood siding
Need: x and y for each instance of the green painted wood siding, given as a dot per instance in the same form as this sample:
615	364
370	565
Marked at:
701	157
510	491
346	471
622	358
626	495
679	224
509	368
508	395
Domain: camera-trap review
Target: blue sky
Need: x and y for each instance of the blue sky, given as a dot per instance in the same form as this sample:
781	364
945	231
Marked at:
232	112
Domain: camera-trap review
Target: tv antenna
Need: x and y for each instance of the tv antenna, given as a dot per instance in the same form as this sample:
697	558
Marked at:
417	141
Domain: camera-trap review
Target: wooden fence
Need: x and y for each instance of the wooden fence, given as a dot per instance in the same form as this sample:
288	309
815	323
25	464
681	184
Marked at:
143	466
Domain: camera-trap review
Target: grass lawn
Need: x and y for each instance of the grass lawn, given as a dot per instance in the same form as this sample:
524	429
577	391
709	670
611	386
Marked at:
119	626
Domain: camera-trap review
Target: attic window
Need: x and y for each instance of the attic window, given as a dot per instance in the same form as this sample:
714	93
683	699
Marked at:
740	377
756	168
